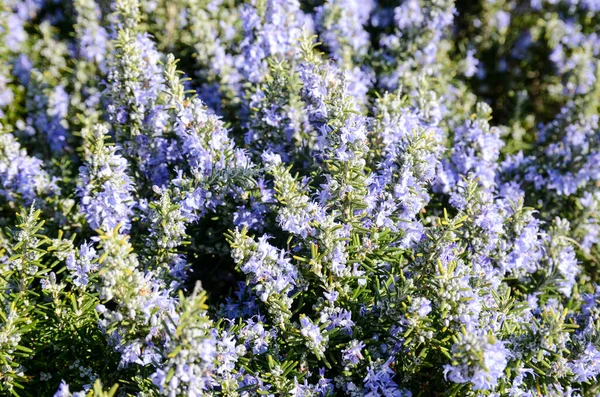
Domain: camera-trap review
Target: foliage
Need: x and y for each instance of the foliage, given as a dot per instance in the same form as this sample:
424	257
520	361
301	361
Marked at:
299	198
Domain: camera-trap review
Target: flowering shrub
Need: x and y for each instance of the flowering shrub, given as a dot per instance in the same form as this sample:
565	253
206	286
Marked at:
299	198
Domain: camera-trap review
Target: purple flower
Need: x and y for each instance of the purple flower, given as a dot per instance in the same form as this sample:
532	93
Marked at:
106	191
22	176
478	361
352	354
379	381
587	365
81	264
93	45
315	340
568	269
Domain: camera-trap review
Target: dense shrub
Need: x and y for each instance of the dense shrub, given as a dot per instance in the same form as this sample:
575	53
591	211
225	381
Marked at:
285	198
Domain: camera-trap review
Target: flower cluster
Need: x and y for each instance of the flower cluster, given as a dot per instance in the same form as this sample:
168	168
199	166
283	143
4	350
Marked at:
299	198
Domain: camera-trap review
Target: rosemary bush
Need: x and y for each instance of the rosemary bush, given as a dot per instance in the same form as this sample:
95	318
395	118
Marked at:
299	198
